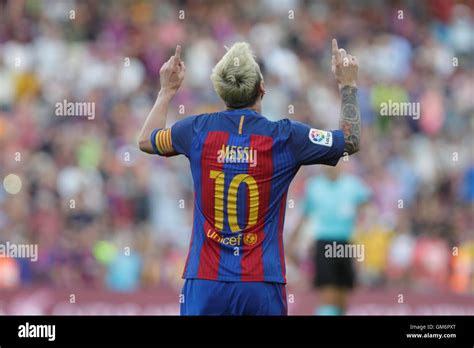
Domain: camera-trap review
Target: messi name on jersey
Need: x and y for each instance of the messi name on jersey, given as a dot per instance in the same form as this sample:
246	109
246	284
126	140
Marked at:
237	154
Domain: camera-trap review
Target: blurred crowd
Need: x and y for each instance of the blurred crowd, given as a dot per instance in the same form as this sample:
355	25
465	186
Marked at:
104	214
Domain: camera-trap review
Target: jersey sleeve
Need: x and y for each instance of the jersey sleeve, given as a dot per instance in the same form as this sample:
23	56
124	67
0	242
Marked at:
315	146
175	140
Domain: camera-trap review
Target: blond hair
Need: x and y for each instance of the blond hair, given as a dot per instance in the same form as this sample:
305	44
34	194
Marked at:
236	77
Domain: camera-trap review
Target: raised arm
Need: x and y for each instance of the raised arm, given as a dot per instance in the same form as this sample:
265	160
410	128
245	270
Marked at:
345	68
171	77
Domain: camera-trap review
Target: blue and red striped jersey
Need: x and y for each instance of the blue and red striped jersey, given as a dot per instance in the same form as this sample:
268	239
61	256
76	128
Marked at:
242	165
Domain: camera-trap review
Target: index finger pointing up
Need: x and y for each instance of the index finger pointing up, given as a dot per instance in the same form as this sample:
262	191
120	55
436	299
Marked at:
177	53
335	50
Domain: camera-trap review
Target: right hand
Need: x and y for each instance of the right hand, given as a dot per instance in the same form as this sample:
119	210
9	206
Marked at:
344	66
172	72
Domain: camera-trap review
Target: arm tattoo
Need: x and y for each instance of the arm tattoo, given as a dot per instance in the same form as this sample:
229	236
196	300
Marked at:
350	119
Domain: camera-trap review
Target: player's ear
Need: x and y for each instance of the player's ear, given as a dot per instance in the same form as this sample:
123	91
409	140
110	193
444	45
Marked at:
261	88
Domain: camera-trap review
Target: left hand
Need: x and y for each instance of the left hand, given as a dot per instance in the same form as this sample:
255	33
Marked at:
172	72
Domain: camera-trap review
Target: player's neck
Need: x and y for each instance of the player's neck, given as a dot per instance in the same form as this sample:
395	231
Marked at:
255	107
258	105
